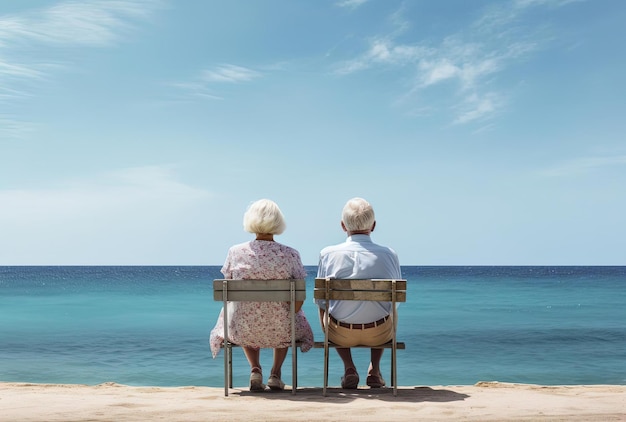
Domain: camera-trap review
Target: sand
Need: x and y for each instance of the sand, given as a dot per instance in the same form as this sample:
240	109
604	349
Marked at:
484	401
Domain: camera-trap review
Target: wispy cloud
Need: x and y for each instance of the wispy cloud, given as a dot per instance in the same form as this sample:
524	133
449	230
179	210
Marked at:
90	23
583	165
384	52
465	62
194	90
476	107
69	24
229	73
351	4
12	128
14	71
553	3
205	86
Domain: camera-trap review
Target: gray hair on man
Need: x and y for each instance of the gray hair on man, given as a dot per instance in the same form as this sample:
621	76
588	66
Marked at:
358	215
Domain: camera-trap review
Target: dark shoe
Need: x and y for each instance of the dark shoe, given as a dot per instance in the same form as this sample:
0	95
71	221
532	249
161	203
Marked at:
350	379
375	381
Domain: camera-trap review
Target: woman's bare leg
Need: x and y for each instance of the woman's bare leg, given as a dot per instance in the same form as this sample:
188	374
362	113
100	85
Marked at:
279	358
254	357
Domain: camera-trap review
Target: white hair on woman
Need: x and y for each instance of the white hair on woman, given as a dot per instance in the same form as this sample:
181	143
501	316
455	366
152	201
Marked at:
264	216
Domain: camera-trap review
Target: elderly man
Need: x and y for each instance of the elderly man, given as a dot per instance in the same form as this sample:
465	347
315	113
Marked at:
355	323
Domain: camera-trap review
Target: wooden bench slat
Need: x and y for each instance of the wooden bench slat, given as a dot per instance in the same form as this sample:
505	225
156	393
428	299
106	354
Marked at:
361	284
259	290
379	290
234	285
259	296
360	295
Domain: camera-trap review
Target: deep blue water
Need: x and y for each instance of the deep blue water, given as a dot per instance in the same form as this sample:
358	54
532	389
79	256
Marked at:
150	325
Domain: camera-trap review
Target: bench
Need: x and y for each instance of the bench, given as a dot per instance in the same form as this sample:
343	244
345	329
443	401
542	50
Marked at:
291	291
381	290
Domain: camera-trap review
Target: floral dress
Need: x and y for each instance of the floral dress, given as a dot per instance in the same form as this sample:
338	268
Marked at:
262	324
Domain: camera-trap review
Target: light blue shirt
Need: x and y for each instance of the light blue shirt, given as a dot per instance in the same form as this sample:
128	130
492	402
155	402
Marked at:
358	257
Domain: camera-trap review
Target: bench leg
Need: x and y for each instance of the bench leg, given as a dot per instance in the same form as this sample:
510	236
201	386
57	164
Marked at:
227	368
393	369
394	374
230	367
326	352
294	369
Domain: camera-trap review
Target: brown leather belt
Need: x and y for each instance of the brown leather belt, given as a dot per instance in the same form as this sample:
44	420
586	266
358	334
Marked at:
358	326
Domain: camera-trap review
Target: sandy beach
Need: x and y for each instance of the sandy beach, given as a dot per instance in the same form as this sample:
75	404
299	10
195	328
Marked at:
484	401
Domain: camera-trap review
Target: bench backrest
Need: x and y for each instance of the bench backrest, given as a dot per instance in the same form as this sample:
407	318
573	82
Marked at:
259	290
381	290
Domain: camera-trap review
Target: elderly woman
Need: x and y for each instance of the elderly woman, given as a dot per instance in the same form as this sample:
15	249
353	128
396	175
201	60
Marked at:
257	325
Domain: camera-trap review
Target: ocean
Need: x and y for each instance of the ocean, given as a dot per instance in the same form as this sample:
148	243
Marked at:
149	326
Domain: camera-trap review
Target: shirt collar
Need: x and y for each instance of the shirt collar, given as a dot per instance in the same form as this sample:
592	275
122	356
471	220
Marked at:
360	238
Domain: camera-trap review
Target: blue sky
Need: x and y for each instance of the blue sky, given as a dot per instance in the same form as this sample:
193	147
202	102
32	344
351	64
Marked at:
136	132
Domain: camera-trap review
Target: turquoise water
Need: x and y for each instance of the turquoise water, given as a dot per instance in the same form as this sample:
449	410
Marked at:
150	325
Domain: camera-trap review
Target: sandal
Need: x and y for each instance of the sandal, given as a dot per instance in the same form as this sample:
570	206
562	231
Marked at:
375	381
256	380
275	383
350	380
